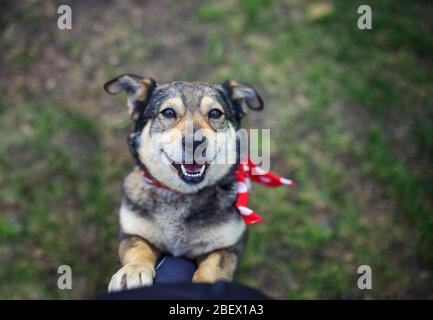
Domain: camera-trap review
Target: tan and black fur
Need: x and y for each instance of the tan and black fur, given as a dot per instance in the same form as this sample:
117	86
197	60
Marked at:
196	217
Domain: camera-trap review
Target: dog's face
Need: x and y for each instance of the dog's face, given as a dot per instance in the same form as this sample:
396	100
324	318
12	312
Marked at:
185	133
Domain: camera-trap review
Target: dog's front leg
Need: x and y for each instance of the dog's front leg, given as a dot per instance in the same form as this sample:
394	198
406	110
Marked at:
217	265
138	258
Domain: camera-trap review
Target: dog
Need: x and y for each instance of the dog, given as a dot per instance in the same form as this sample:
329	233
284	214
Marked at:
171	206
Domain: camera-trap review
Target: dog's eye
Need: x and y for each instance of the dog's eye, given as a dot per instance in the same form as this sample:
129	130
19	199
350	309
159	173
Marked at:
169	113
215	114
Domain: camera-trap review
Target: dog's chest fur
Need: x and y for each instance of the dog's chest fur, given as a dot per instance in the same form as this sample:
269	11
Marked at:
181	225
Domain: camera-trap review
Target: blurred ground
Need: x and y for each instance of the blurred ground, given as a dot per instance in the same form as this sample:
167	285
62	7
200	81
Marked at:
351	120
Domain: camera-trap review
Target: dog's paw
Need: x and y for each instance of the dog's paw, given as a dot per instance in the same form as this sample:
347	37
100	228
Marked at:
132	276
201	276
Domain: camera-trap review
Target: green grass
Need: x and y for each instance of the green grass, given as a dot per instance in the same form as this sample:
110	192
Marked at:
56	185
332	65
351	122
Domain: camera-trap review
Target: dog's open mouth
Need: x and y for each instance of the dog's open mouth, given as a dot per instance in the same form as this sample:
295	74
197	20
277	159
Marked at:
191	173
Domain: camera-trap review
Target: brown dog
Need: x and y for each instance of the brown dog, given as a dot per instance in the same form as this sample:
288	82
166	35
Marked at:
174	203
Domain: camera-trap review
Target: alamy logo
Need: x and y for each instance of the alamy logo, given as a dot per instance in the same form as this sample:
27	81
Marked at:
64	22
365	280
64	282
365	20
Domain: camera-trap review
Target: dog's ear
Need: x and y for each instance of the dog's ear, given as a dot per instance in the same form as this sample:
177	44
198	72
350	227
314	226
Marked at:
242	96
138	89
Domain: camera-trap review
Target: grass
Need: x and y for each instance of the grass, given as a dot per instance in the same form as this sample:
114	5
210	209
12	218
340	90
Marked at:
55	185
350	120
345	67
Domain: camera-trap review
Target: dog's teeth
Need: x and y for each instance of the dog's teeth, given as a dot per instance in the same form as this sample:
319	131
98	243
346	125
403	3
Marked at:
183	170
192	175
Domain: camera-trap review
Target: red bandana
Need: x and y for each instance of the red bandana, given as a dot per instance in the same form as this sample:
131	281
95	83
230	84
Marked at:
245	171
249	170
153	182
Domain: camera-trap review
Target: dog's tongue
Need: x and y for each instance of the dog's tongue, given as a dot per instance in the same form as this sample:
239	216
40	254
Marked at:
192	168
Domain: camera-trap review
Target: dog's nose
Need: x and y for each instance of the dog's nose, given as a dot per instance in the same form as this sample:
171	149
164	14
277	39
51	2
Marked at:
197	143
192	145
